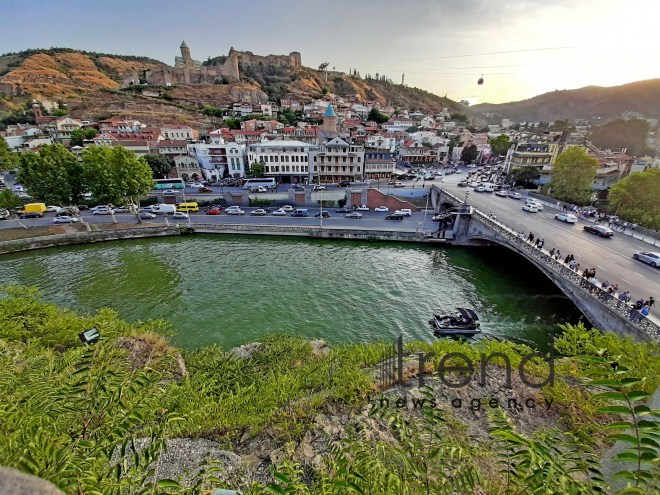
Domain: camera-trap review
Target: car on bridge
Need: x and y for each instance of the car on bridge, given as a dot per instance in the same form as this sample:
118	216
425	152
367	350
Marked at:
394	216
343	210
65	220
279	213
531	208
515	195
566	217
354	214
179	215
213	211
599	230
502	193
323	214
287	208
651	258
259	212
381	208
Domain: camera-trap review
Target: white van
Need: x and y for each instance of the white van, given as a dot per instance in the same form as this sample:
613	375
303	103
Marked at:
488	187
163	209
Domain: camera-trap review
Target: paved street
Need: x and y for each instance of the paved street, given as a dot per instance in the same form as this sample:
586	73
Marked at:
611	257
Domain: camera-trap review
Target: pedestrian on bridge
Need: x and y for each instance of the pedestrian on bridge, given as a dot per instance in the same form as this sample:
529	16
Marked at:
558	255
552	253
651	302
530	237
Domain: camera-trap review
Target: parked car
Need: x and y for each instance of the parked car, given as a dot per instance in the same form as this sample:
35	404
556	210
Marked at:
649	257
323	214
145	215
169	192
381	208
32	214
530	208
399	184
213	211
179	215
205	190
599	230
234	211
354	214
502	193
103	210
259	212
566	217
345	183
66	220
362	208
343	210
318	188
287	208
515	195
279	213
394	216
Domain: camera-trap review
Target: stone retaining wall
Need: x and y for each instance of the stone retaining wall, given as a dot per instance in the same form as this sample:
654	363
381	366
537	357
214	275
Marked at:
85	237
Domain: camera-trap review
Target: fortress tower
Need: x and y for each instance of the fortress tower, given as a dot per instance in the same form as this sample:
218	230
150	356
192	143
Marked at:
185	60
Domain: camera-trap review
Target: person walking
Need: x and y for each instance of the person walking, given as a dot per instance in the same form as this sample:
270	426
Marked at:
552	253
645	311
530	237
651	302
558	255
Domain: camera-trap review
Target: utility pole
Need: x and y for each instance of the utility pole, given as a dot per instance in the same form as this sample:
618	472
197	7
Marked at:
403	78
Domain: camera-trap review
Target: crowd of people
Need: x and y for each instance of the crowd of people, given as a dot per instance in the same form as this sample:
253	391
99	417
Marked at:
641	306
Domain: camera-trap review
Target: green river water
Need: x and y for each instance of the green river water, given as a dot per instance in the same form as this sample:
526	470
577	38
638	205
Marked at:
229	290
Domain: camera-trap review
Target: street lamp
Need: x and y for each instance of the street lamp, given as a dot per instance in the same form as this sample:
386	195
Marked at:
467	193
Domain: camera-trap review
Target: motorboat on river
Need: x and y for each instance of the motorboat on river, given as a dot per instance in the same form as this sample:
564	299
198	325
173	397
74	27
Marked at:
466	322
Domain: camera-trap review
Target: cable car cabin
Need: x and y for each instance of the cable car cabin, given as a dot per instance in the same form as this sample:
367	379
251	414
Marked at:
480	81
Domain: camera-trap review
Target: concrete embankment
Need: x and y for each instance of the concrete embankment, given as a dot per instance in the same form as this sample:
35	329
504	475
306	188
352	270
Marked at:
37	239
70	238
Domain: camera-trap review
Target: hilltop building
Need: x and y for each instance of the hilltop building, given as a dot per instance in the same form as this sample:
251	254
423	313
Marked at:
187	70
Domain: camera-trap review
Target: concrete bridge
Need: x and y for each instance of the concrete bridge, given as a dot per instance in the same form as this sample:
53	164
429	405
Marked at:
469	227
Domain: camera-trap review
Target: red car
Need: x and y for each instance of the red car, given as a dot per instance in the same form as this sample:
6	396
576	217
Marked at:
205	190
213	211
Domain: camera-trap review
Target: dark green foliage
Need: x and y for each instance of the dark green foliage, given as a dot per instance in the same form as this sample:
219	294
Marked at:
377	116
524	176
160	165
500	145
636	198
469	153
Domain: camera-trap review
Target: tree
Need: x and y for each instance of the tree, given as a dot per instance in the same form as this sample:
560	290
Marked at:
77	137
377	116
621	133
635	198
469	153
52	174
562	125
573	175
524	176
8	159
9	200
160	164
257	169
115	175
500	145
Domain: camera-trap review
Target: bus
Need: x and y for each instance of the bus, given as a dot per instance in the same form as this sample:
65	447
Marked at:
268	182
169	184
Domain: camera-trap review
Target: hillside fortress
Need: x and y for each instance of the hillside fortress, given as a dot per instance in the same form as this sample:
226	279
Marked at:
186	70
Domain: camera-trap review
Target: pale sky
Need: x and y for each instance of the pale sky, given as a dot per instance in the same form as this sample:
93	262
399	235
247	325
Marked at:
522	47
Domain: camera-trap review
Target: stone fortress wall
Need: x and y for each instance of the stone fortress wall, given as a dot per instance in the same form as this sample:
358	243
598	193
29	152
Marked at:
186	70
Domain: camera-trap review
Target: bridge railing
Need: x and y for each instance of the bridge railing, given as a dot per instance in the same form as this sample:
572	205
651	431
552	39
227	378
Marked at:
557	266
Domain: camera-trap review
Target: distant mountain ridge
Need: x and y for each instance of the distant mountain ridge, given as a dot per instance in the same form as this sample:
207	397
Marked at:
590	101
